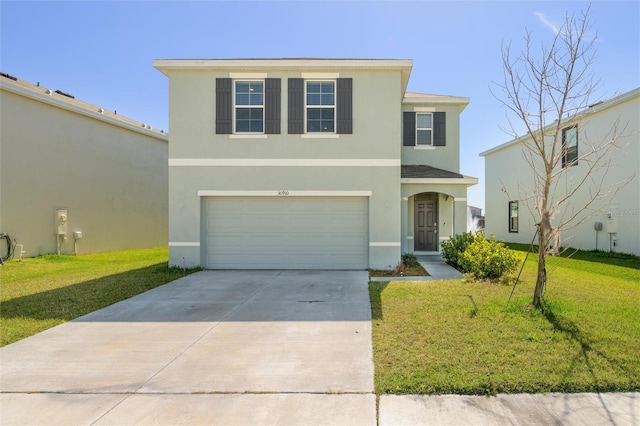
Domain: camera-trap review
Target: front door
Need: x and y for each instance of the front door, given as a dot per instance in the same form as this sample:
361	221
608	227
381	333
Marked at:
426	224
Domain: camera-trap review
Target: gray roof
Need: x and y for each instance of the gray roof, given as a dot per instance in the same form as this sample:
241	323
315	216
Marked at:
427	172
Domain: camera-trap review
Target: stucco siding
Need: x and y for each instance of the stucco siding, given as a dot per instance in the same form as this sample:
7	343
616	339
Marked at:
112	181
375	130
443	157
367	160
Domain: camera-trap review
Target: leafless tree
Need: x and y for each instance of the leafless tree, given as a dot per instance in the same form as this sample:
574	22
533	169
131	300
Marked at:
548	89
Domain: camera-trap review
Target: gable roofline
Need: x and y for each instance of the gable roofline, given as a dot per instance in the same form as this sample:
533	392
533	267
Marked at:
66	102
592	109
404	66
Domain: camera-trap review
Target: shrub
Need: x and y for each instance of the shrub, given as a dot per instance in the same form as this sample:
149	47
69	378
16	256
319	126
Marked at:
487	258
453	248
410	260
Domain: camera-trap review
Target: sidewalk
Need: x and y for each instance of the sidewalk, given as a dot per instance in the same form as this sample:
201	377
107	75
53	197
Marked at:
620	409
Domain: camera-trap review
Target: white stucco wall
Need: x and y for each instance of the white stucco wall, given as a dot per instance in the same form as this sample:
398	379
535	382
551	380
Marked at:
509	178
112	180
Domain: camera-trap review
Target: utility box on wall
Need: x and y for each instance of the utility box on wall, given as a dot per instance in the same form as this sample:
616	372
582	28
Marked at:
61	220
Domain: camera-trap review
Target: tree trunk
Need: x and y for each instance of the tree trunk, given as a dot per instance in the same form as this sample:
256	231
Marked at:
542	272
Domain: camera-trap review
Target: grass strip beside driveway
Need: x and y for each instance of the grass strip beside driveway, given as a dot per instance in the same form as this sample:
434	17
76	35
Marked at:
429	339
42	292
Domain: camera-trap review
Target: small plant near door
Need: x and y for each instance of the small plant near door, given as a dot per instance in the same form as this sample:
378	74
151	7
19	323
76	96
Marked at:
410	260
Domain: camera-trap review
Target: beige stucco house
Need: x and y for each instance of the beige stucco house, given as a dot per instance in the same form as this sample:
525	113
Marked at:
309	164
74	176
612	222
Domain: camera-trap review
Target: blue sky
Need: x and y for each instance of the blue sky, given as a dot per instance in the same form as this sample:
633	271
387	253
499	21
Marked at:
102	52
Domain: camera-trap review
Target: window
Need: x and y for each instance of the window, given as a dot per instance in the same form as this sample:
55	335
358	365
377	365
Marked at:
317	106
570	146
249	106
513	216
321	105
424	129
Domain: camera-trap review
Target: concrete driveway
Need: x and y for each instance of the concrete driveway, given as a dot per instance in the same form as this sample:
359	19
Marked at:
215	347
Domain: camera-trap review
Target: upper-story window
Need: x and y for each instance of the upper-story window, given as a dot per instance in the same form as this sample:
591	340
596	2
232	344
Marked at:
320	106
249	106
424	129
570	146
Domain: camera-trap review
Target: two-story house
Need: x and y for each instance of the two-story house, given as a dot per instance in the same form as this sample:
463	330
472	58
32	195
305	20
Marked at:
308	164
608	221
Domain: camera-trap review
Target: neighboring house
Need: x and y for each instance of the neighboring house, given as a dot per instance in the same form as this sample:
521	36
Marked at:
75	176
475	219
615	224
309	164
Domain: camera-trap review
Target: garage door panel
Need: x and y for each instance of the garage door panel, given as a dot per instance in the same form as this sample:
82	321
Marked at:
286	233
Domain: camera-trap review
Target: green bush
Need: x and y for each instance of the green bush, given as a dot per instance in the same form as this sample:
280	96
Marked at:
487	258
410	260
453	248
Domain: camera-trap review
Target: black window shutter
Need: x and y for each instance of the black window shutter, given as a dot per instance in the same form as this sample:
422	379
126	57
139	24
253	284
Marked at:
408	129
439	129
272	106
224	106
344	106
296	106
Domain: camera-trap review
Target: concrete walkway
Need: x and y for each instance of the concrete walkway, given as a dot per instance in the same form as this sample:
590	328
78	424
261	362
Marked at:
246	348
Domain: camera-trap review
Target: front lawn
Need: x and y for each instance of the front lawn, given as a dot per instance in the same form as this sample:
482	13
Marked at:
39	293
429	339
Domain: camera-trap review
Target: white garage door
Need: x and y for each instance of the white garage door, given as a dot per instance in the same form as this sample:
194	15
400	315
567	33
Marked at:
286	232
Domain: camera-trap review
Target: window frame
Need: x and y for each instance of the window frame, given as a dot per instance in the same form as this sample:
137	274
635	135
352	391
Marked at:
333	107
235	105
430	144
513	229
569	150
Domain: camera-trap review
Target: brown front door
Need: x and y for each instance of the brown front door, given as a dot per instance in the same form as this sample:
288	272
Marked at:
426	224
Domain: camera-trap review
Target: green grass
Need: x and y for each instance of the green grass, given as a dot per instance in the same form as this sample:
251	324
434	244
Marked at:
42	292
427	337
